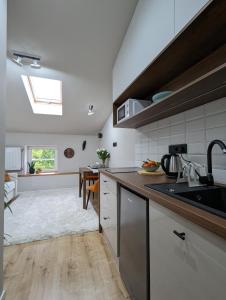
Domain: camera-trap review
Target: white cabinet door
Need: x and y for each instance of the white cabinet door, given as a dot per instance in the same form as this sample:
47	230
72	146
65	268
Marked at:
185	10
108	211
194	268
151	29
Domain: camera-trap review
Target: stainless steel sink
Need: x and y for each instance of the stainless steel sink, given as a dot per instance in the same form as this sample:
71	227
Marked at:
209	198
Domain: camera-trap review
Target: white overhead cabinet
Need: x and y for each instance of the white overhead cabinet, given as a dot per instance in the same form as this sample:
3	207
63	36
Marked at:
185	10
151	29
154	25
193	268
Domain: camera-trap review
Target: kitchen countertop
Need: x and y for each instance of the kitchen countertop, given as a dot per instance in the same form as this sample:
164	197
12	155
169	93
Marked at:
136	182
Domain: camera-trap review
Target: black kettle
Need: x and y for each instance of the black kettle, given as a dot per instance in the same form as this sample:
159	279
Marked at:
171	165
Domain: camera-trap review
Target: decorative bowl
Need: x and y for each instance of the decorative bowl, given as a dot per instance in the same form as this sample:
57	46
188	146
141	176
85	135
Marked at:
159	96
151	168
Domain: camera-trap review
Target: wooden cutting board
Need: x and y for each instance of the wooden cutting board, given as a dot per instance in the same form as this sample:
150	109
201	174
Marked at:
156	173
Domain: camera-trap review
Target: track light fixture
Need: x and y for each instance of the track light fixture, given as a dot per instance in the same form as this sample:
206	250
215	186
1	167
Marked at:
90	111
21	59
35	64
17	60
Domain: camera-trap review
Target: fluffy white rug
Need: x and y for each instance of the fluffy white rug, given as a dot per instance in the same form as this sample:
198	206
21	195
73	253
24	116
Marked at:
39	215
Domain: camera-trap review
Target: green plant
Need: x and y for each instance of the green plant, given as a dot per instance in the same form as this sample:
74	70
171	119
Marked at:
6	204
31	166
103	154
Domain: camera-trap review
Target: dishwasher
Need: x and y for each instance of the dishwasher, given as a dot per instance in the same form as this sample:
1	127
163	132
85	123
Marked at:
134	244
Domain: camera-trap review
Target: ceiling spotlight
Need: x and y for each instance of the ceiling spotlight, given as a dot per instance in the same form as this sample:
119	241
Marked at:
22	58
35	64
90	111
18	60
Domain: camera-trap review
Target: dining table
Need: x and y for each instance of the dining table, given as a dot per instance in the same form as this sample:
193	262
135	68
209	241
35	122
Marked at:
84	173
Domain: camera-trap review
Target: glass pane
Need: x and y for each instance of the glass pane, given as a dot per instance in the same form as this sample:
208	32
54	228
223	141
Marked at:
44	153
44	158
46	90
45	164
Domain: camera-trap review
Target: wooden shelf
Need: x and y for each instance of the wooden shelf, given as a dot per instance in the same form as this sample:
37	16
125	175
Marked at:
202	37
206	88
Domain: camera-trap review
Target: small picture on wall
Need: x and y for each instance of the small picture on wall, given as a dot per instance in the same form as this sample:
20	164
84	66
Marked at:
69	153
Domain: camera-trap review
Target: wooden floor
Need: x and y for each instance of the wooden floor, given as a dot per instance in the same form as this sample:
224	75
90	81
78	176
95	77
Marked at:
65	268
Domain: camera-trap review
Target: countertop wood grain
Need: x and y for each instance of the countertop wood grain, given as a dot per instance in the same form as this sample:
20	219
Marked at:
136	182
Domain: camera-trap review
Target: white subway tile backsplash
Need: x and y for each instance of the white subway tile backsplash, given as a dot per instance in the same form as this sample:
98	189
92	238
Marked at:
164	123
195	113
215	107
178	139
163	132
218	120
197	148
196	127
195	136
177	129
216	133
177	119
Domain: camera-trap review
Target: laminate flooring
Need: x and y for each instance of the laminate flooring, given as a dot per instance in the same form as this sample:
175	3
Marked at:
65	268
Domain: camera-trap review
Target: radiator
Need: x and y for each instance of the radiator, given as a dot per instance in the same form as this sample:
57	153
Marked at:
13	159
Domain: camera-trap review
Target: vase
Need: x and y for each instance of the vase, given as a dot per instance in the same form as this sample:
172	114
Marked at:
31	171
103	163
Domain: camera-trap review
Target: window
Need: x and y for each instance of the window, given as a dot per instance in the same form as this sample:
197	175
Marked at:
45	95
45	158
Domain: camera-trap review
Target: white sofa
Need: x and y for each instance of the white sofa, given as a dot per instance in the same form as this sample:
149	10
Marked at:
10	187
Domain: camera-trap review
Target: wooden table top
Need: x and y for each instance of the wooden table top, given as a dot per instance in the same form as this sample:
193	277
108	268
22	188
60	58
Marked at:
136	182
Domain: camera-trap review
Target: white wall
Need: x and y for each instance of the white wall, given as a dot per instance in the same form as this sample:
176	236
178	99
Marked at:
3	4
124	154
150	30
196	127
61	141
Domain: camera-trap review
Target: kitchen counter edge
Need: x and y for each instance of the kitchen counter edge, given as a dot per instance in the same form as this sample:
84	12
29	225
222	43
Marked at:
136	182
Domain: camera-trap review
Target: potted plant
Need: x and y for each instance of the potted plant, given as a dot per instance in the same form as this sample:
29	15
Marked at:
31	167
6	204
103	154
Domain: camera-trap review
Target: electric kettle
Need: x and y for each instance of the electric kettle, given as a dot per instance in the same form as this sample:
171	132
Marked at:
171	164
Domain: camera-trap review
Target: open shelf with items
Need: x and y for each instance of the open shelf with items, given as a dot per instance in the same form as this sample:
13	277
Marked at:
192	65
206	88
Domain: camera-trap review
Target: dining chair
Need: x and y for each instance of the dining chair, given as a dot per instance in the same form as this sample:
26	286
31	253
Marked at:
94	188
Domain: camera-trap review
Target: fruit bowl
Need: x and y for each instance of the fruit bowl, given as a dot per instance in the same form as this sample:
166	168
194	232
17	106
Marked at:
150	166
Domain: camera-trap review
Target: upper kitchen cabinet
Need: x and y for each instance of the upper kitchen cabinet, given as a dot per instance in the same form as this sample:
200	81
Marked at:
151	29
185	10
191	65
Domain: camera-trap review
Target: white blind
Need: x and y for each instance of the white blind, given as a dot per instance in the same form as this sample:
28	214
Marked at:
13	158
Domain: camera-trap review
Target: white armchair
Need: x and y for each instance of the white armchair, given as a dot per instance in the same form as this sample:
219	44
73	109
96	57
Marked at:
10	187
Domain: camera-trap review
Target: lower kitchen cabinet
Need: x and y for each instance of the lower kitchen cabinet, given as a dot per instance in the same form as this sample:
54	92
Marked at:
186	261
108	211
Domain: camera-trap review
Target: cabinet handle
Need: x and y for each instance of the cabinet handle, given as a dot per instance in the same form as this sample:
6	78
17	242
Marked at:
106	218
106	193
181	235
105	181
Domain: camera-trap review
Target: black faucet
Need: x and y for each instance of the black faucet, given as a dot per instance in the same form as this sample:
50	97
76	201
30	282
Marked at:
210	180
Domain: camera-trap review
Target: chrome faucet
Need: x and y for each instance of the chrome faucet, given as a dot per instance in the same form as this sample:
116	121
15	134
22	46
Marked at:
210	180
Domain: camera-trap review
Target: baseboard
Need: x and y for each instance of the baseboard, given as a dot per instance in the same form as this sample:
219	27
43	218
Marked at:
2	295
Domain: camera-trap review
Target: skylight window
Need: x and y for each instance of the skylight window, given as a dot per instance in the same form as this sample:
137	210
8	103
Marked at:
45	94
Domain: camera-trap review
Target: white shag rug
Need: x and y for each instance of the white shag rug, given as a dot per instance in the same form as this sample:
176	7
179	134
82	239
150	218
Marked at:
40	215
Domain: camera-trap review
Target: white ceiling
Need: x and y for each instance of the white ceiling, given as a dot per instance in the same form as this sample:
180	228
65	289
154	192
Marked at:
78	41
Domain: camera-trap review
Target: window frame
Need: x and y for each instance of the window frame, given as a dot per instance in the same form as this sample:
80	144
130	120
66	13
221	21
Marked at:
29	156
46	101
42	107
